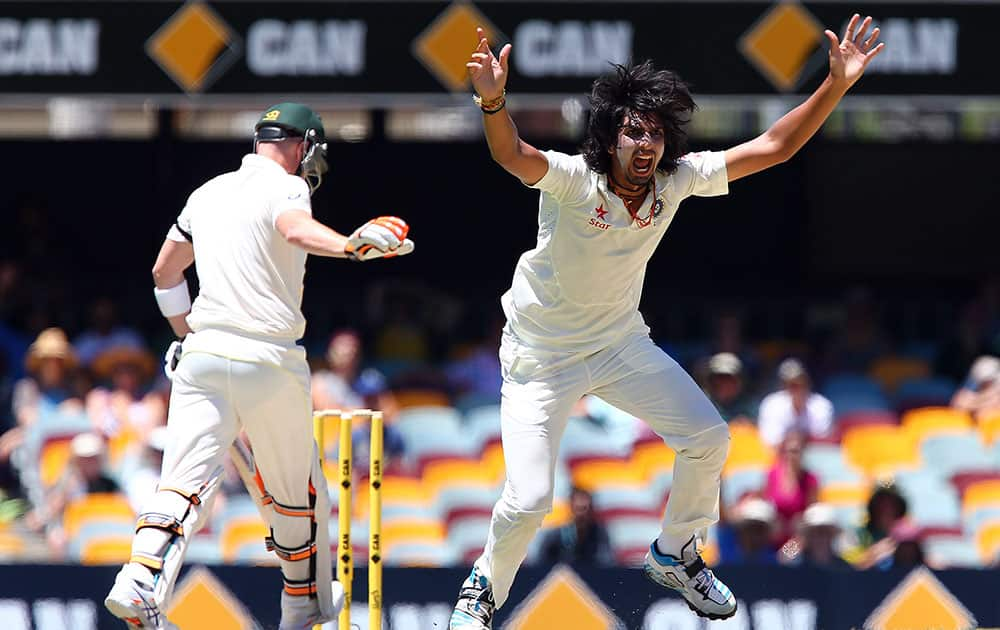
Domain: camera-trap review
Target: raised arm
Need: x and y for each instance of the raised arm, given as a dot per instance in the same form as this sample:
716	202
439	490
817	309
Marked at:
848	59
489	77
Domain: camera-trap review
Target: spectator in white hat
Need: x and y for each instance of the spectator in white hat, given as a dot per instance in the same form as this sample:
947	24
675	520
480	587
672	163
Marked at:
726	388
794	407
980	393
814	546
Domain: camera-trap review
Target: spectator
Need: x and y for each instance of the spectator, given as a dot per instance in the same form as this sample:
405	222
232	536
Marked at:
84	475
790	487
814	546
48	387
886	509
140	483
477	375
374	391
104	333
727	336
909	550
794	407
980	393
861	339
332	388
749	537
126	407
584	541
725	388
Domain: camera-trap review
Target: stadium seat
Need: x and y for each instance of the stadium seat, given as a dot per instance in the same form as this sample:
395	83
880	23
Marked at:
560	514
471	402
844	494
952	551
585	439
421	398
92	532
596	473
468	535
632	532
889	372
54	458
243	540
827	462
614	501
928	422
949	454
483	424
851	393
981	494
989	428
434	432
741	482
654	459
203	549
98	507
988	542
109	550
746	450
419	555
880	450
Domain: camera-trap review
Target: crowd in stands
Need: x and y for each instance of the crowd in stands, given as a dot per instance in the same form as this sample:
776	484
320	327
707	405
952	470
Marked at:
850	450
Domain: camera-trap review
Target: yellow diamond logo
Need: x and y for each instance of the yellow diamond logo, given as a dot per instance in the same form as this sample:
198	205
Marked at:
785	45
194	47
562	600
920	602
444	47
202	601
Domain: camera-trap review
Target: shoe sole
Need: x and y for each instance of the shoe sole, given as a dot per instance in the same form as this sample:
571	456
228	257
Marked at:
701	613
124	612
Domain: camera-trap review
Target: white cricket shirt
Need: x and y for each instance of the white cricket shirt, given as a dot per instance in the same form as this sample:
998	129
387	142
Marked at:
250	277
578	290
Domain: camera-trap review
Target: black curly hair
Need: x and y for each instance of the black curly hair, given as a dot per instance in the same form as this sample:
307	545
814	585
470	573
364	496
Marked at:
643	91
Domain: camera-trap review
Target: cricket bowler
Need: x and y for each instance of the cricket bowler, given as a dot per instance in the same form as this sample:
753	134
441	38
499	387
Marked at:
573	324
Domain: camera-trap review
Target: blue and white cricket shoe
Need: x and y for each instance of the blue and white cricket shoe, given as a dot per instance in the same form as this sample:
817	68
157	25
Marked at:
131	600
704	593
474	610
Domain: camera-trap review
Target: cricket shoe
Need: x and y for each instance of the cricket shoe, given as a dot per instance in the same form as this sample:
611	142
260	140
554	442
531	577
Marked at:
474	610
131	600
704	593
302	613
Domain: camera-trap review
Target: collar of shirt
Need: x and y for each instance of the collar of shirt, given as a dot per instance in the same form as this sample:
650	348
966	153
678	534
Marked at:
645	210
253	160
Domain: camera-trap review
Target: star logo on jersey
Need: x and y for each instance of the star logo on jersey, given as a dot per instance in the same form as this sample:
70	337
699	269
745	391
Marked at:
657	207
599	222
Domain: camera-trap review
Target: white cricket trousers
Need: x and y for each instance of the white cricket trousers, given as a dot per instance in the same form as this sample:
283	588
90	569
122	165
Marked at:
538	393
211	399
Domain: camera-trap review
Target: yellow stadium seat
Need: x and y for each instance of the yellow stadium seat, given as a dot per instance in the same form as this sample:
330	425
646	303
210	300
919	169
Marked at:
652	458
421	398
880	450
110	550
844	494
930	421
593	474
492	459
989	426
448	472
11	544
120	444
96	507
559	516
988	542
240	532
410	530
891	371
53	460
981	494
746	450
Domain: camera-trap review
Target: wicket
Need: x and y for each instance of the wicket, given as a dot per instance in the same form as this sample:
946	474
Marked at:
345	555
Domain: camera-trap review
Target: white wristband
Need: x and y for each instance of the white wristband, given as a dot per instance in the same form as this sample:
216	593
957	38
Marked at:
173	301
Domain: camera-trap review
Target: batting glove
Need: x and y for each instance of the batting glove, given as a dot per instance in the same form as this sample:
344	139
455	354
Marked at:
172	358
383	237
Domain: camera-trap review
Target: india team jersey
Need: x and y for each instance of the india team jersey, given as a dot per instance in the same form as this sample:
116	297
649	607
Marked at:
578	290
250	277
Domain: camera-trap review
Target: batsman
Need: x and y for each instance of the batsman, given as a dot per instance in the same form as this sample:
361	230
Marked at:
573	321
239	367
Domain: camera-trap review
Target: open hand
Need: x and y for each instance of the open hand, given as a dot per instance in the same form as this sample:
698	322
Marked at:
850	56
488	72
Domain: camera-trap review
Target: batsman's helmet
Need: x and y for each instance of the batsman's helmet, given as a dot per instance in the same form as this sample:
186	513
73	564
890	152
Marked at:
294	120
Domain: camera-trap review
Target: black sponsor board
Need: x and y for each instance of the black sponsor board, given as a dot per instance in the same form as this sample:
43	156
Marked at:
354	48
